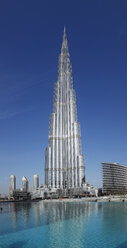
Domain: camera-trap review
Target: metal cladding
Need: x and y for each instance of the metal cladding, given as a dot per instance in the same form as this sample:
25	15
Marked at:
114	178
64	162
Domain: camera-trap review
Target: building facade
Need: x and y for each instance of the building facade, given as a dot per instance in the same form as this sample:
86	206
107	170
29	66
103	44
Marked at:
64	162
35	182
114	178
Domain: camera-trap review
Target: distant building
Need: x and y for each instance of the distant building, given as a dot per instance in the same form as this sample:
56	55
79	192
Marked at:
20	195
24	184
35	182
12	184
114	178
89	189
40	192
100	192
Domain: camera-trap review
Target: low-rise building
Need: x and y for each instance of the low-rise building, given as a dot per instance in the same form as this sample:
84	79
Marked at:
20	195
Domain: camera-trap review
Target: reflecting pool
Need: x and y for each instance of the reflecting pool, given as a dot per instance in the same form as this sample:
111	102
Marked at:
70	224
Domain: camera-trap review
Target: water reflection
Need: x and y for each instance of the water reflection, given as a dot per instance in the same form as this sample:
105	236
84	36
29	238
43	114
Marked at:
115	214
37	214
28	215
18	211
60	211
64	224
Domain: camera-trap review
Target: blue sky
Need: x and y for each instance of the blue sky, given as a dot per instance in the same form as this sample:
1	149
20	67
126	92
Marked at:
30	42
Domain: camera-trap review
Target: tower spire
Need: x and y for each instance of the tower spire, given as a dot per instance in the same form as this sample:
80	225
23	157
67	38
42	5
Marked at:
64	44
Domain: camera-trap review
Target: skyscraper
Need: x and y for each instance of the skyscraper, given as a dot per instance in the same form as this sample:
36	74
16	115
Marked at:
25	184
12	184
36	181
64	162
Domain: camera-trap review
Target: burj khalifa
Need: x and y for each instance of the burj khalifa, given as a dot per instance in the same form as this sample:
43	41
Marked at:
64	162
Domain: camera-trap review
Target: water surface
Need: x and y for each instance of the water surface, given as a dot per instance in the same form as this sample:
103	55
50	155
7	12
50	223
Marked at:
62	224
